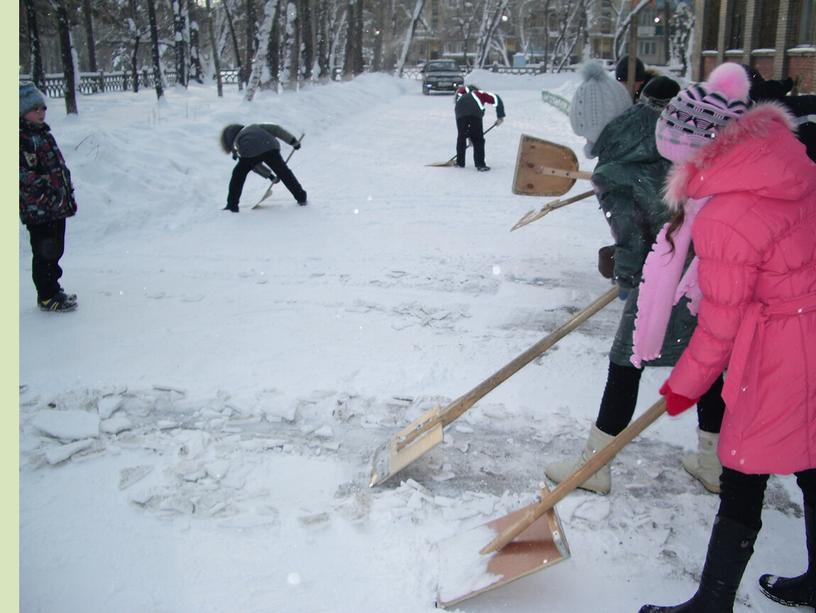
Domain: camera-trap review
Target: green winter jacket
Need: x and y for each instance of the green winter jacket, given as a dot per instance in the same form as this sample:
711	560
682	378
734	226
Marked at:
628	179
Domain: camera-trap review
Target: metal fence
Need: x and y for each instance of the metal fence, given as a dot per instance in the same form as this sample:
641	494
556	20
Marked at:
98	82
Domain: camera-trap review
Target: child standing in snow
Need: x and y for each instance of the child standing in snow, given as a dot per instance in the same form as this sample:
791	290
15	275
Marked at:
256	148
469	108
627	180
744	188
46	200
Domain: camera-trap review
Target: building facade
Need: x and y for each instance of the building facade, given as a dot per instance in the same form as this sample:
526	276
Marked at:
776	37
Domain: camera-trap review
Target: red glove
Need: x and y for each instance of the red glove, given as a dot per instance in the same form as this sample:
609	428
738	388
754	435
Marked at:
675	403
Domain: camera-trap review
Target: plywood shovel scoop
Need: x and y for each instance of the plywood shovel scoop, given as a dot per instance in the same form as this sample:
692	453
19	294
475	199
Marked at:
533	530
425	432
544	168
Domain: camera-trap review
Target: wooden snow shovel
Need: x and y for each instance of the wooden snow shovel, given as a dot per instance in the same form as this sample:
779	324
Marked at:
452	161
523	530
268	191
534	215
544	168
425	432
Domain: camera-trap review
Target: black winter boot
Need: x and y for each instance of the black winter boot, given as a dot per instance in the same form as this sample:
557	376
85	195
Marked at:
729	550
801	590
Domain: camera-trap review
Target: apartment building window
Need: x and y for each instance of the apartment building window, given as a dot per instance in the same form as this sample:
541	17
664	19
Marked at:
736	24
711	24
647	48
767	12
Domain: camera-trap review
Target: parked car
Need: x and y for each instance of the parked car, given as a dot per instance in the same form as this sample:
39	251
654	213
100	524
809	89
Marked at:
441	75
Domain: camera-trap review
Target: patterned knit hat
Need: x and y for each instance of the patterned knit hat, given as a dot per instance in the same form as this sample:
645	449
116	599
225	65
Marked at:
695	115
597	101
30	98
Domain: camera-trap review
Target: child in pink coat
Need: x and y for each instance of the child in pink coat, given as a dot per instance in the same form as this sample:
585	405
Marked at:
745	188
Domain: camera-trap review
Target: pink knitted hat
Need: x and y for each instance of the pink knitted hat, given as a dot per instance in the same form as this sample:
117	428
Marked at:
694	116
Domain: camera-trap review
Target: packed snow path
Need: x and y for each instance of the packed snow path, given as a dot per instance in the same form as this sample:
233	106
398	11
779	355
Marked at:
197	436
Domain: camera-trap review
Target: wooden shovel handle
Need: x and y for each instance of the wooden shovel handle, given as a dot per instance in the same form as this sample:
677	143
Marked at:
601	457
547	208
456	408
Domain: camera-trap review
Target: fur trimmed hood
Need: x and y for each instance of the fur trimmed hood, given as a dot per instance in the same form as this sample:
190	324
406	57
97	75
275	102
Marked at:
755	153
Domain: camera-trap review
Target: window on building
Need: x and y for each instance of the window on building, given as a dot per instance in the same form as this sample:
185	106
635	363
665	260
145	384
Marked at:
711	24
767	12
807	23
736	25
647	48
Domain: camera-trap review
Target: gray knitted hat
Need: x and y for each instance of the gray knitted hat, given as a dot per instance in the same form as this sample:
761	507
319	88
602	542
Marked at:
597	101
30	98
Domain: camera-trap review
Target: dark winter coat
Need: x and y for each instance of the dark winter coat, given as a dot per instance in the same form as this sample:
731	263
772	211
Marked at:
628	179
470	102
259	138
46	192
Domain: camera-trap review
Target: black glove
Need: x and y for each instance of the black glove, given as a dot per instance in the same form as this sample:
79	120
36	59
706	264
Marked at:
296	145
606	261
273	178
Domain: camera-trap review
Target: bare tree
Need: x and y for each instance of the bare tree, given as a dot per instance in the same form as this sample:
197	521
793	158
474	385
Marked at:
236	48
35	54
491	16
89	35
258	63
179	24
353	64
215	51
154	45
251	38
196	72
135	35
682	26
409	35
67	53
307	40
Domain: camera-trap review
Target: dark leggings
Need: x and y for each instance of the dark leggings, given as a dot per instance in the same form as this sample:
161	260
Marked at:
741	495
621	393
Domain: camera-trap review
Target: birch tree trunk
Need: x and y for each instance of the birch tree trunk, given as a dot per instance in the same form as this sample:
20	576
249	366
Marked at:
409	35
196	72
323	38
154	44
67	53
215	50
258	63
288	64
35	52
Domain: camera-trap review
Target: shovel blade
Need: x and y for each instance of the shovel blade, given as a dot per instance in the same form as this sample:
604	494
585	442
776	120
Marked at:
443	164
536	152
465	573
394	455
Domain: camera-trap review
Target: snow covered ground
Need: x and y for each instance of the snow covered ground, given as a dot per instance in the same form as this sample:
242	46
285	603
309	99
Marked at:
197	436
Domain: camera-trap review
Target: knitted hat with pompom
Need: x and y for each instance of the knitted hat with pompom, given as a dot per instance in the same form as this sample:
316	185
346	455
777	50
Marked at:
694	116
597	101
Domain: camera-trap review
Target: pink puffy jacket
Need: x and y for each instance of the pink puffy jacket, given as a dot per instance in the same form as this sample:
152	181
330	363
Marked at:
756	243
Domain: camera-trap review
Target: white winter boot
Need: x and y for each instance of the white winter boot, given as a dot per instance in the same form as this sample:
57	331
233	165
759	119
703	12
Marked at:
601	481
705	465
